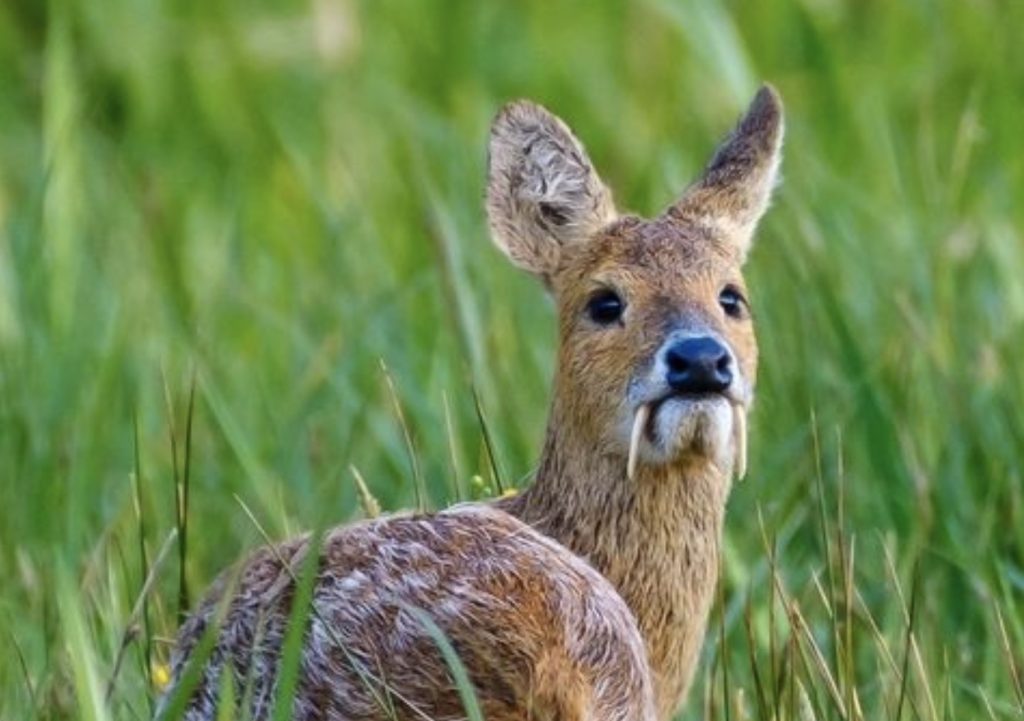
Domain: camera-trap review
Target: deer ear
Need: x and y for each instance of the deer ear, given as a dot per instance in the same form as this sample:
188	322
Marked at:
734	190
543	193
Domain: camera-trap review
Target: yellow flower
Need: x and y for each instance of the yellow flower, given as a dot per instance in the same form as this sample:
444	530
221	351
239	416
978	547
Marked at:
160	675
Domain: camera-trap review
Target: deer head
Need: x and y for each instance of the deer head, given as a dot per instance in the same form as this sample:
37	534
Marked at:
657	358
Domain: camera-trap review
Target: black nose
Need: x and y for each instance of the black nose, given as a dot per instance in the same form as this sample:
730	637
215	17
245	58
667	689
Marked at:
698	365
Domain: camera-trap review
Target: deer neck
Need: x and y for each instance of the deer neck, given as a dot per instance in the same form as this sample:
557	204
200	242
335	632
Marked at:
656	537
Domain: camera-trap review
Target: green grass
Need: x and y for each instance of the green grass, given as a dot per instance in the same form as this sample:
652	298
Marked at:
272	198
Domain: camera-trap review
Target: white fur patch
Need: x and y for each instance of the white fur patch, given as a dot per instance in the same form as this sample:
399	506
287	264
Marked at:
676	426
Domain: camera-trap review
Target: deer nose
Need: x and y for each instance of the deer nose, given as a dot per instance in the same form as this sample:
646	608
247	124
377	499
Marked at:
698	365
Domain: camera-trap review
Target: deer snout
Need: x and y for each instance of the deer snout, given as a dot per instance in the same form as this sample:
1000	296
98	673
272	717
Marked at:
698	365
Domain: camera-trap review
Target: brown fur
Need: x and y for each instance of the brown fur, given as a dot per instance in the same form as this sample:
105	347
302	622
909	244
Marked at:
542	635
512	585
655	537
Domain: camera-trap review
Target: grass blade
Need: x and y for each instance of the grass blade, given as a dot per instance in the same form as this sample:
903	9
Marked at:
458	670
298	618
488	443
417	475
130	632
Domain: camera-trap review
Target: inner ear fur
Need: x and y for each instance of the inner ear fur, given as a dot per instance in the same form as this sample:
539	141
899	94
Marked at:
542	190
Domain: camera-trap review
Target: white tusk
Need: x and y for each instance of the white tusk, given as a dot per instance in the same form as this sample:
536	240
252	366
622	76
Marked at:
642	414
739	429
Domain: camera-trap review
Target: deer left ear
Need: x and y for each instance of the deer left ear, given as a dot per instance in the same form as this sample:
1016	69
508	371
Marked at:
734	190
543	193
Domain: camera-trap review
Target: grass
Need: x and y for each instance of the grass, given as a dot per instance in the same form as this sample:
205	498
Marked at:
261	202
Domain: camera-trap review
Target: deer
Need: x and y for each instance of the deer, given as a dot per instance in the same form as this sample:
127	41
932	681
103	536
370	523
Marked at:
586	595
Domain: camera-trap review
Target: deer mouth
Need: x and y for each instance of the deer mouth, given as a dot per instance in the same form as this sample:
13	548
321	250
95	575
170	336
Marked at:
694	402
645	426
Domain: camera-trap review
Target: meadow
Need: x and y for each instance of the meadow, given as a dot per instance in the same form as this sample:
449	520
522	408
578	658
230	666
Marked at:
243	251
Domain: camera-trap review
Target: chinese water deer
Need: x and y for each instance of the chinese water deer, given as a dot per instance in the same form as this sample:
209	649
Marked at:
587	595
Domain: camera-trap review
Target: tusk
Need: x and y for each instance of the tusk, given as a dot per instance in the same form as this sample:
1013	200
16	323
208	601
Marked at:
739	430
642	414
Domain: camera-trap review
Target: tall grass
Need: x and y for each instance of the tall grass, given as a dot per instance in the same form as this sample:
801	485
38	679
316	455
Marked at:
274	198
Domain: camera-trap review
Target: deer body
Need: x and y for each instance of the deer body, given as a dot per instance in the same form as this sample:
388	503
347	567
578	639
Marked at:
587	596
540	632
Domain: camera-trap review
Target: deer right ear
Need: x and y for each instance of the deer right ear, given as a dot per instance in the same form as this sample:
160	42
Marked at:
735	188
542	190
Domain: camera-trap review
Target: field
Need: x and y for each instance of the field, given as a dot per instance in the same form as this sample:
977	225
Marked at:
235	236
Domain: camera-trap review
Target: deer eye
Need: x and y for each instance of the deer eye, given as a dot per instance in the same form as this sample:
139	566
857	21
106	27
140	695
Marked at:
732	301
605	307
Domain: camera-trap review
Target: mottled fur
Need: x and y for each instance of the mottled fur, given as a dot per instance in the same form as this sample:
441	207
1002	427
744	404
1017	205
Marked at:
513	585
542	634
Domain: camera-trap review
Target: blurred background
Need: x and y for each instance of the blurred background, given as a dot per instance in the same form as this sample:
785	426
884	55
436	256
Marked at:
271	213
